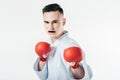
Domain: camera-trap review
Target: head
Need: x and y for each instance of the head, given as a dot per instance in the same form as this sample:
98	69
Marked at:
54	20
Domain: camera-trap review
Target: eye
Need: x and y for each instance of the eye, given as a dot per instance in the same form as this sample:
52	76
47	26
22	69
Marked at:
55	21
46	22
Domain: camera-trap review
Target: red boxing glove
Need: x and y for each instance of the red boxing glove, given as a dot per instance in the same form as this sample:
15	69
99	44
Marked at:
73	54
42	48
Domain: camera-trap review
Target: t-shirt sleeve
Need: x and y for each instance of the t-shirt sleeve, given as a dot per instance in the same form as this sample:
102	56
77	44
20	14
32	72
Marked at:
88	73
43	73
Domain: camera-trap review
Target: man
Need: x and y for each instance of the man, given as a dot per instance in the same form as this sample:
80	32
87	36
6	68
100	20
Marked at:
60	58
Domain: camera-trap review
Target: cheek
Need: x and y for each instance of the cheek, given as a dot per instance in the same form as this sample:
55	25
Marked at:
59	29
46	25
46	28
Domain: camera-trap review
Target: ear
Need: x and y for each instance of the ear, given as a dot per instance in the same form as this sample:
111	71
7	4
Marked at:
64	21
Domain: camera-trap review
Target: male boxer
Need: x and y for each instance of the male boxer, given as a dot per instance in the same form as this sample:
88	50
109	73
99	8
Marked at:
60	58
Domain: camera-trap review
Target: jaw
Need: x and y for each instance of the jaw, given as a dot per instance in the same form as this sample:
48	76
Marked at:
54	35
51	34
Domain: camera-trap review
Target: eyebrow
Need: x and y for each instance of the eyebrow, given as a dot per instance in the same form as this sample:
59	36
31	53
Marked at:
46	21
55	20
52	21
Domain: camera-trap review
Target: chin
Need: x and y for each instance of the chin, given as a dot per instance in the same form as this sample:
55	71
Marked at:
52	36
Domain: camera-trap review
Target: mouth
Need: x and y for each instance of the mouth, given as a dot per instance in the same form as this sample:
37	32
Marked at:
51	31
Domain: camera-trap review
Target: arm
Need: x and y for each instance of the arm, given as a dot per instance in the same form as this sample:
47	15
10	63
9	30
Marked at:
43	74
41	64
77	67
87	72
42	49
78	73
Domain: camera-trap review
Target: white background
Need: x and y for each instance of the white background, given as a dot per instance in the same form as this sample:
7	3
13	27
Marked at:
95	24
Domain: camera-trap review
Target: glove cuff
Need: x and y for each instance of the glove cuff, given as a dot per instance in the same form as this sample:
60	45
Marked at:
43	59
75	66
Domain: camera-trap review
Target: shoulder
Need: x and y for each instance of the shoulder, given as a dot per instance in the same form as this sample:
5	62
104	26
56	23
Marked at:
68	42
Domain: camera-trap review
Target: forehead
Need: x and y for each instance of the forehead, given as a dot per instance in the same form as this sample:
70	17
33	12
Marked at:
53	15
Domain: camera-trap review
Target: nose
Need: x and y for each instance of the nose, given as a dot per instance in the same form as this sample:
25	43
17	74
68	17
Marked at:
51	27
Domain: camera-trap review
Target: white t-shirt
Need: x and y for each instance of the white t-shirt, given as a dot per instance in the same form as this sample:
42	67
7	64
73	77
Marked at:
56	68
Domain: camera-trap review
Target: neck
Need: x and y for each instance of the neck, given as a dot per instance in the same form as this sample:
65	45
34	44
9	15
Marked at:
55	38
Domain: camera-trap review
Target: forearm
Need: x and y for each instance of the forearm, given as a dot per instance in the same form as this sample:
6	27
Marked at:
43	73
41	65
78	73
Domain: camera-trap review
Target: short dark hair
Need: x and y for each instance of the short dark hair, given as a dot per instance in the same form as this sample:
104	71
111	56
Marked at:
52	7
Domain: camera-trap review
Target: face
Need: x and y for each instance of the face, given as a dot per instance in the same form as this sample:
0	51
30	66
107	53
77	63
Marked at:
53	23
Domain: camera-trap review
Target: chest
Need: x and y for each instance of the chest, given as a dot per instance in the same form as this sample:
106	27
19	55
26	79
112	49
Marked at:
56	62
